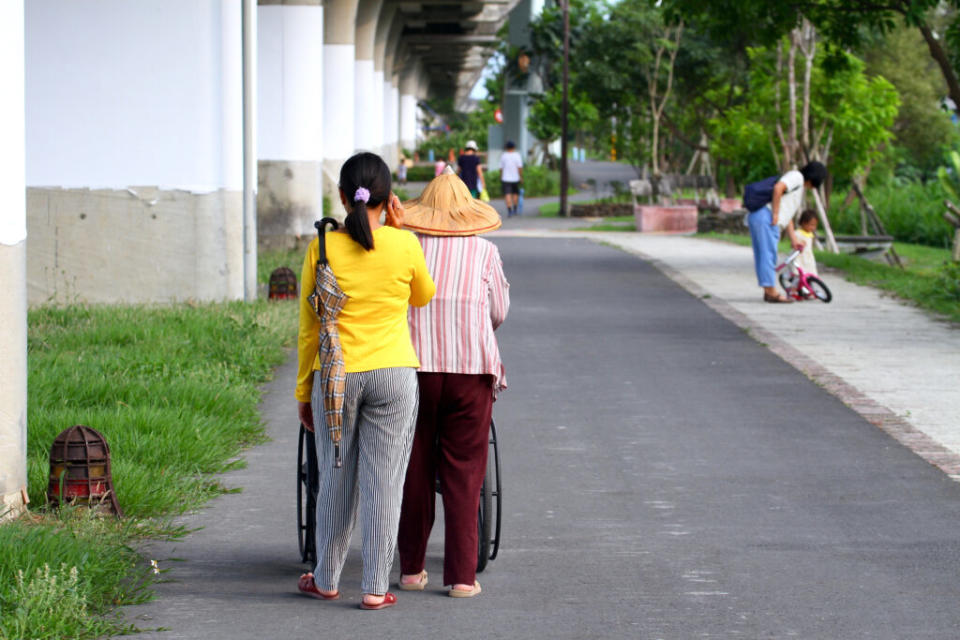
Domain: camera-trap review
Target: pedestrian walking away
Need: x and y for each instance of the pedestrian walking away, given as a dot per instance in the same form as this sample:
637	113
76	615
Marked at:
511	175
460	373
772	204
355	313
470	169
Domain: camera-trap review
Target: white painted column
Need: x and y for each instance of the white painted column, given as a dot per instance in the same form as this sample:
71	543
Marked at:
134	148
365	95
408	107
393	115
13	264
388	16
391	98
338	90
290	119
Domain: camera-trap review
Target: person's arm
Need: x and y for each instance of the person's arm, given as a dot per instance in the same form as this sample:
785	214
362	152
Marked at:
520	172
481	181
422	287
779	189
308	340
498	288
795	241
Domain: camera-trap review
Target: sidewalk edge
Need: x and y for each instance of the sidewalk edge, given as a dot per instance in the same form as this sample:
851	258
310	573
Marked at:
870	410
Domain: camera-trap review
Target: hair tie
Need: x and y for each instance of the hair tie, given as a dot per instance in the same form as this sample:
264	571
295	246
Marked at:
361	195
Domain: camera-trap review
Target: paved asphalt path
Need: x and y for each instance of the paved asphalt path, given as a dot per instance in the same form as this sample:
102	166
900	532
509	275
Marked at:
664	475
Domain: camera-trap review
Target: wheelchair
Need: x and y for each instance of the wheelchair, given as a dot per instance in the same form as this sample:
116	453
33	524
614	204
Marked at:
489	513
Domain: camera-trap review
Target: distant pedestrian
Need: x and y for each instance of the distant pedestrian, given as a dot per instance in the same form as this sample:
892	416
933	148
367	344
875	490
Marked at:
460	373
511	175
784	197
382	271
470	170
438	167
402	170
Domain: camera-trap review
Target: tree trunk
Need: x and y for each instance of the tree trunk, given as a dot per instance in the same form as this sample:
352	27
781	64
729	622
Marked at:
949	74
789	153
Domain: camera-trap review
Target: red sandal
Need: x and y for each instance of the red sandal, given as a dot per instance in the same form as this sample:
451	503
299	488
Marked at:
308	587
388	601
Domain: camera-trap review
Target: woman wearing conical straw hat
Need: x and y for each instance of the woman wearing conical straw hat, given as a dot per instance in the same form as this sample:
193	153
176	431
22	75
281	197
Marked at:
460	374
375	273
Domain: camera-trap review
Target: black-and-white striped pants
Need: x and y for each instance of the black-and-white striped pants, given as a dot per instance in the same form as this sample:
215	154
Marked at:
379	414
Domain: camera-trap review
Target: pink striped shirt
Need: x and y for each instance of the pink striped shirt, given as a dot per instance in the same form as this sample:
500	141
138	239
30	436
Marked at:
454	332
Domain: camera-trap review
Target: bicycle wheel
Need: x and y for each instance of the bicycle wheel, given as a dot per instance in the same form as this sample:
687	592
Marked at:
788	281
818	289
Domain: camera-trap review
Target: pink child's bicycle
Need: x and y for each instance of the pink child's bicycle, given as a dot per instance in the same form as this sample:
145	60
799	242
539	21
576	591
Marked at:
799	284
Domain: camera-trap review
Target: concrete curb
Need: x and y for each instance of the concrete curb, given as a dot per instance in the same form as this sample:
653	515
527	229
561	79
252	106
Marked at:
871	411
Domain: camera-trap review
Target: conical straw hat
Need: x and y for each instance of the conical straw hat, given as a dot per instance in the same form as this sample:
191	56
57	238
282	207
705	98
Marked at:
446	208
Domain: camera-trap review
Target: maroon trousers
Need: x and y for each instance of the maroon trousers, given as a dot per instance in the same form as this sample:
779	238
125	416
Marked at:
450	443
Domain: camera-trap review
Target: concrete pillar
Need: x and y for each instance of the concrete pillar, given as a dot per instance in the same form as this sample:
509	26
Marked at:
409	94
13	265
339	53
391	94
134	166
290	126
517	100
367	109
387	17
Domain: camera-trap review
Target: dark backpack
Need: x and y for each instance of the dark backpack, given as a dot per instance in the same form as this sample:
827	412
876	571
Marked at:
757	194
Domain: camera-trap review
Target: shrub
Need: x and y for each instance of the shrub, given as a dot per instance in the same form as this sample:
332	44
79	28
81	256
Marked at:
910	210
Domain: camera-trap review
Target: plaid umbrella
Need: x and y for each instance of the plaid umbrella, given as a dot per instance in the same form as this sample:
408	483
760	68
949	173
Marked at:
327	300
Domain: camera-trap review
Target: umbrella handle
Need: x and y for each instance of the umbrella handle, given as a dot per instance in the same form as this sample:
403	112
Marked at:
337	460
320	226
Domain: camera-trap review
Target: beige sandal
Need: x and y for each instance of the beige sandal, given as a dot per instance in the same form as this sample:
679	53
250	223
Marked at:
461	593
419	585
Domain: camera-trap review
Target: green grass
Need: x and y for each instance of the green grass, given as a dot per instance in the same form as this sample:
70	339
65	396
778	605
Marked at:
54	585
174	389
924	280
611	223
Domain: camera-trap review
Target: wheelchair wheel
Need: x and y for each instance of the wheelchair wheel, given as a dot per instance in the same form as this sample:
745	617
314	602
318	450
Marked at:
485	518
488	521
306	496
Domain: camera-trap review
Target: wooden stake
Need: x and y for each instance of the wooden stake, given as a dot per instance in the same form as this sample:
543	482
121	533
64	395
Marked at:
827	230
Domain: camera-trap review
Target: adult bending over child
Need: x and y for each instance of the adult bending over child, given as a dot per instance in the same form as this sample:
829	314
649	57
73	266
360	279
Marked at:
767	222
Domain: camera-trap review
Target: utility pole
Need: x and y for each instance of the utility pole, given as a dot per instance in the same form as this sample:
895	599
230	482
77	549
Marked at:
564	109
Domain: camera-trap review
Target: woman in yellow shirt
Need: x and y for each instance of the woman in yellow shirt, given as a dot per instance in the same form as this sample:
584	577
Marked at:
381	270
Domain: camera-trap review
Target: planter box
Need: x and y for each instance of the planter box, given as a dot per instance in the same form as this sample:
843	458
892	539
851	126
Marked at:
729	205
675	219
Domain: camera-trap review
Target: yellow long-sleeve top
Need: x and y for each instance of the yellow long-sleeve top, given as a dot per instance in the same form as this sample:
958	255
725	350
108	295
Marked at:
380	285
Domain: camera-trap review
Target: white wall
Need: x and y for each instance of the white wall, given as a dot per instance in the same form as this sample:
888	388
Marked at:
290	76
126	93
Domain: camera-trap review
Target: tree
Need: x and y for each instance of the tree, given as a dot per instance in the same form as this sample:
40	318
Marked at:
923	130
844	24
850	116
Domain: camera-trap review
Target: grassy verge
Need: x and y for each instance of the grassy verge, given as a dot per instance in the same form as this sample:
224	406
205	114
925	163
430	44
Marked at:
175	391
923	280
611	223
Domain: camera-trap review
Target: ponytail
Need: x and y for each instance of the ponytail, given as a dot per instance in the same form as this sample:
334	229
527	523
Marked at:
364	181
358	225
